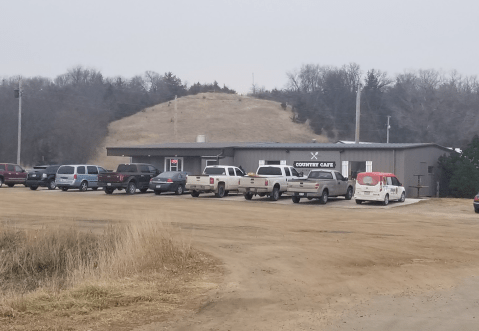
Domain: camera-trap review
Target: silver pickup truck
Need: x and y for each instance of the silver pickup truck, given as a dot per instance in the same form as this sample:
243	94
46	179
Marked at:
321	184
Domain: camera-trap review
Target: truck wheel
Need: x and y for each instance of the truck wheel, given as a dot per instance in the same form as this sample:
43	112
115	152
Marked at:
83	186
195	194
131	189
324	197
51	184
33	188
157	192
10	185
221	191
476	210
1	181
108	190
248	195
64	188
143	190
386	200
349	193
295	199
274	196
179	190
358	202
403	197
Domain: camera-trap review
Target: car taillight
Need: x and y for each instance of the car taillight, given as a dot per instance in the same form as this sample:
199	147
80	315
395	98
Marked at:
476	198
75	176
169	180
266	183
120	177
316	186
212	180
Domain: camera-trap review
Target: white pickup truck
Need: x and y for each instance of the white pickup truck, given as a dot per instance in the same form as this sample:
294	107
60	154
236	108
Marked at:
269	180
218	179
321	184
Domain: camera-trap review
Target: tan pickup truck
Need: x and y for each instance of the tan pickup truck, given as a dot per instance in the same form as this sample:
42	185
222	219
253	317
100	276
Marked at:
321	184
216	179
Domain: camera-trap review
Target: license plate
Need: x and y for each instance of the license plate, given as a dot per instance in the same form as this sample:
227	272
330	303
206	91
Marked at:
367	193
108	184
158	186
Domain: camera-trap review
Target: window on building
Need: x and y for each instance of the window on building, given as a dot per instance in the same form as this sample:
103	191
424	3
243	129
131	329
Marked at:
430	170
212	162
357	167
273	162
173	164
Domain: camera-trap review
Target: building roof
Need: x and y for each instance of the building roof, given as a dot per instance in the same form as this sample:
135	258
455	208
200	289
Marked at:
275	145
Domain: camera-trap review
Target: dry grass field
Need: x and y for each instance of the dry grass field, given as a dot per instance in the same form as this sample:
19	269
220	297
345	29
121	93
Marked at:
263	265
221	117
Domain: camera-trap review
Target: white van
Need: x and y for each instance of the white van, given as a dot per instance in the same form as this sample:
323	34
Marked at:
81	176
378	186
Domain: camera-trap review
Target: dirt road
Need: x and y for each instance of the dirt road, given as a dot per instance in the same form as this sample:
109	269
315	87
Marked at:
301	266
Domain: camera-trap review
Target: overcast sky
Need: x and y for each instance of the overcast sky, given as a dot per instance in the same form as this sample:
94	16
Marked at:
228	41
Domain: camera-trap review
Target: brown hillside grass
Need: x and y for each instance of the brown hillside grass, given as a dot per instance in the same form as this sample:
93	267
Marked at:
221	117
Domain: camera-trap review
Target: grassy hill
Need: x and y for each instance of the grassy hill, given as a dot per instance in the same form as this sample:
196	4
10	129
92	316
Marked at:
221	117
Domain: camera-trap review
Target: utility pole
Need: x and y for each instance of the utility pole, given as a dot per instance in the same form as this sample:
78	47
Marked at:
358	112
388	127
176	119
19	146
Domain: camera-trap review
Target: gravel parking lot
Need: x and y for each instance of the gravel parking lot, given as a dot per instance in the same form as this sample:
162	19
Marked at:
305	266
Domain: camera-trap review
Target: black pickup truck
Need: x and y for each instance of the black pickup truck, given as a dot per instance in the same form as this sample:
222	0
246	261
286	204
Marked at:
130	177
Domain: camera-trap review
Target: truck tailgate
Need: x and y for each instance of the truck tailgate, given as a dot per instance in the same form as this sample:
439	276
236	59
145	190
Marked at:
110	177
253	182
303	186
198	180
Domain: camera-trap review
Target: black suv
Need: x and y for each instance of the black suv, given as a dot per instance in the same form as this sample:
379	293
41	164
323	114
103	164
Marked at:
42	175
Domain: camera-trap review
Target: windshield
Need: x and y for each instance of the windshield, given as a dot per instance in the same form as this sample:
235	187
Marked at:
215	171
320	175
275	171
126	168
368	179
66	170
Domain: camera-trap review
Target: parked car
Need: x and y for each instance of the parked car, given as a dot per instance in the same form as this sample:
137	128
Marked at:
42	175
129	177
476	203
321	184
169	181
218	179
271	180
12	174
378	186
78	176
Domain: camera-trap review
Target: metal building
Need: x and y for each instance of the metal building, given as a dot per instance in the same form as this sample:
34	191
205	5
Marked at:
409	162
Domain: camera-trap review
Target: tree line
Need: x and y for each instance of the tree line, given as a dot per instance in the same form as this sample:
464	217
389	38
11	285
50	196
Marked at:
64	119
425	105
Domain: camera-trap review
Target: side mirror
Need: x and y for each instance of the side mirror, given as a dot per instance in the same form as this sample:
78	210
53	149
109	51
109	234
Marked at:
345	179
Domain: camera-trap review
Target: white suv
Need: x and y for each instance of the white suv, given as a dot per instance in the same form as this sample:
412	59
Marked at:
378	186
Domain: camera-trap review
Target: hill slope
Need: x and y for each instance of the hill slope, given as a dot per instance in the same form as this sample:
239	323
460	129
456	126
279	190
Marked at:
221	117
